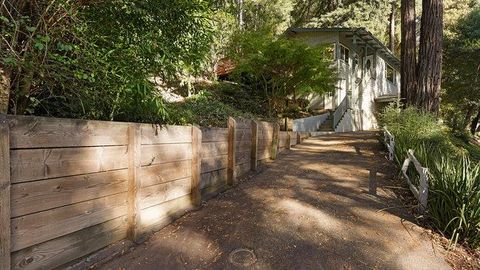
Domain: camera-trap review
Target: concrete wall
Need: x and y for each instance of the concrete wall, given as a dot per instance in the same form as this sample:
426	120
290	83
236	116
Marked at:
347	124
309	124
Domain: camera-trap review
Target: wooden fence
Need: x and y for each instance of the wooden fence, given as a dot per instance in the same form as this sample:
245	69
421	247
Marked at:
71	187
420	192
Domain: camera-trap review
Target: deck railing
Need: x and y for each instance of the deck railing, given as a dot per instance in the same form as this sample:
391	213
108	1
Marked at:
340	111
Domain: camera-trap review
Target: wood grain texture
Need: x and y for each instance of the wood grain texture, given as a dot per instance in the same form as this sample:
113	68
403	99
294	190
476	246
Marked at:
213	149
134	181
214	163
42	195
36	164
33	131
155	134
164	153
254	147
43	226
59	251
157	194
231	178
242	146
243	123
162	173
212	134
293	138
243	134
214	178
275	142
158	216
5	240
196	166
242	157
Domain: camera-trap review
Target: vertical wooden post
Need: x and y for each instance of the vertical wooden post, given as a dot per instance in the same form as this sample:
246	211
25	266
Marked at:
196	162
5	230
276	131
231	177
254	150
134	184
299	139
288	141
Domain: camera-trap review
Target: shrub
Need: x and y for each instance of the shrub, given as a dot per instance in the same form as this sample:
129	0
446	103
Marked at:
204	110
454	181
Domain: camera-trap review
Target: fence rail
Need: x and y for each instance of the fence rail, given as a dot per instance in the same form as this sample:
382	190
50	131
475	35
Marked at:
340	111
389	141
420	192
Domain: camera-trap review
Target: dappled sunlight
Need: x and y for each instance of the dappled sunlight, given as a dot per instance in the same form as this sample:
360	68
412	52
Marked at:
297	211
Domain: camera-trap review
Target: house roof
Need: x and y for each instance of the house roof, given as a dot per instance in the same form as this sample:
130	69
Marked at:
359	36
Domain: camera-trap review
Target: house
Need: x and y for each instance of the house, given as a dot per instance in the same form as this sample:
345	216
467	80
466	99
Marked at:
368	77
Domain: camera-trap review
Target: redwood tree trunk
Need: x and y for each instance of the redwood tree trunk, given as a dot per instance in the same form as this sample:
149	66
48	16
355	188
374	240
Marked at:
430	56
408	90
391	29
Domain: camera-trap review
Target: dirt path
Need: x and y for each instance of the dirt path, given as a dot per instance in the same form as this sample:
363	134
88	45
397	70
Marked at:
320	206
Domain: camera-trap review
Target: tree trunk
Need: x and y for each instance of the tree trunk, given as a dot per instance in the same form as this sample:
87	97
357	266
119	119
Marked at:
4	90
391	29
430	56
474	124
408	53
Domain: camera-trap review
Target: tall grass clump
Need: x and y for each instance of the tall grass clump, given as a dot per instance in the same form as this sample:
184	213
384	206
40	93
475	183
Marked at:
454	181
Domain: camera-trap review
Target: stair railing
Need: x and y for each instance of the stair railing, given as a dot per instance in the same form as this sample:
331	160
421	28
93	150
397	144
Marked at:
340	111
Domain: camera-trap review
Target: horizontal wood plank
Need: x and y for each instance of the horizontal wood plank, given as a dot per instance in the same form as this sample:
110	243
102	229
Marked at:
242	157
42	195
43	226
213	178
62	250
164	153
155	134
157	194
243	135
155	217
213	149
165	172
36	164
47	194
34	132
214	134
214	163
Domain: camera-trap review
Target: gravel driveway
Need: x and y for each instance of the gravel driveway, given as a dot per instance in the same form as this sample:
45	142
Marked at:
322	205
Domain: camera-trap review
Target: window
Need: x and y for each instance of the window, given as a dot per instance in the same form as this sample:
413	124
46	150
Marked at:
390	74
344	54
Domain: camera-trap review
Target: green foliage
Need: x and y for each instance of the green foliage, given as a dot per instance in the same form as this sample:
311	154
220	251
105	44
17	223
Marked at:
203	109
461	79
279	68
90	60
454	182
372	14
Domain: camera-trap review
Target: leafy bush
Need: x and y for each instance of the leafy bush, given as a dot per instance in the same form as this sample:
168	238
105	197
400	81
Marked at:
278	68
204	110
454	181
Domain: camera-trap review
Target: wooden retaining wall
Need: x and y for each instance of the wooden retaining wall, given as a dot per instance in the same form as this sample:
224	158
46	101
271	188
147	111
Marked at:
71	187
